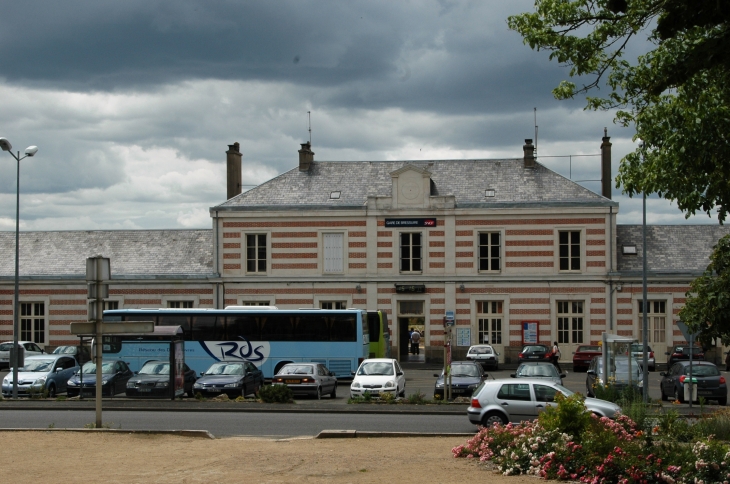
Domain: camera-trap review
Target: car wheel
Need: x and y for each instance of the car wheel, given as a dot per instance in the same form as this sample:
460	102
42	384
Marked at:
334	391
52	391
319	393
492	418
111	390
402	393
575	369
244	391
496	367
678	396
664	397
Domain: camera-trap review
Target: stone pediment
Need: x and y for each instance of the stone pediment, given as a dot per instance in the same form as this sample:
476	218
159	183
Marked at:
411	187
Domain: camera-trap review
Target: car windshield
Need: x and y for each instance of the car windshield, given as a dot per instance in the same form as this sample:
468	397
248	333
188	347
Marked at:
639	348
596	349
687	350
38	365
481	350
465	370
537	371
6	346
225	369
702	370
65	350
107	368
535	349
155	368
297	370
621	367
376	368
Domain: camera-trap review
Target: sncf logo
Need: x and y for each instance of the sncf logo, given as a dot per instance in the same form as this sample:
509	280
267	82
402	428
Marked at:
429	222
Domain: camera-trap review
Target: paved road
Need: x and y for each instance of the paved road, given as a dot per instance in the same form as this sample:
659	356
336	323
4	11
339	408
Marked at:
241	423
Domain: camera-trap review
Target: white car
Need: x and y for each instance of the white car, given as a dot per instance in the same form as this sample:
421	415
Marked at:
378	376
31	349
485	355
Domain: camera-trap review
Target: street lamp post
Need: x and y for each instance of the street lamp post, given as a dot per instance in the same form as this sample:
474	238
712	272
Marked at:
29	151
644	321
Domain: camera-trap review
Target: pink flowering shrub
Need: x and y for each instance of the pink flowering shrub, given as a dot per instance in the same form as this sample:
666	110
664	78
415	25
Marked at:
599	451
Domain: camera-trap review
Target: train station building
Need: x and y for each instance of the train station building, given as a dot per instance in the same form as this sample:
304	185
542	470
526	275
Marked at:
514	251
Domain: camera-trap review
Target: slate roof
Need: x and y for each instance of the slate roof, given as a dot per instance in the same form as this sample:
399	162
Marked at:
466	180
669	248
171	253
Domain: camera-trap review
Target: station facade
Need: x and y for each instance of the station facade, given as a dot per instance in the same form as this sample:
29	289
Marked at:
514	251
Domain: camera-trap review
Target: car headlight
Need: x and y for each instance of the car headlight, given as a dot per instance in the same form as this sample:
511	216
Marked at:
71	383
5	381
197	385
40	381
232	385
162	384
131	384
390	384
355	384
439	385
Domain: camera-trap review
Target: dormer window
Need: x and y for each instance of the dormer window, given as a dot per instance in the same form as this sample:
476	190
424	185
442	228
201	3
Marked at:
335	195
489	192
629	250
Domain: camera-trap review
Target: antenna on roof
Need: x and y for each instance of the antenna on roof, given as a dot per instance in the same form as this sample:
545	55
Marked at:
309	117
535	111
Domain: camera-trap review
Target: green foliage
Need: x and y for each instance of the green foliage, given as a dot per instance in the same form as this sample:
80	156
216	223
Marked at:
569	416
104	425
707	308
676	94
420	399
276	394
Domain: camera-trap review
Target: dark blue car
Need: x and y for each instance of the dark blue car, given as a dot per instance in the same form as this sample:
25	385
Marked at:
465	377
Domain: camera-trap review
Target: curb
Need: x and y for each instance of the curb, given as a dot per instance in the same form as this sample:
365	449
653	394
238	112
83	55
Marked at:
183	433
352	434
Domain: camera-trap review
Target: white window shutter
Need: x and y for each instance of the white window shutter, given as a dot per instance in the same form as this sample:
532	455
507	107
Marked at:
333	250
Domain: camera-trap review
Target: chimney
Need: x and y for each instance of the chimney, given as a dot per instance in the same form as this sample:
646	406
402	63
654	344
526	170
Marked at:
233	170
306	156
606	180
529	150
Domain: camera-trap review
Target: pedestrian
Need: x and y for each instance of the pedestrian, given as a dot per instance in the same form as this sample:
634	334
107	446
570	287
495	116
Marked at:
415	342
410	345
555	357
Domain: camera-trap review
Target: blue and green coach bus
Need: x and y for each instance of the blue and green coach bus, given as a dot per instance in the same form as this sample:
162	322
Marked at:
266	336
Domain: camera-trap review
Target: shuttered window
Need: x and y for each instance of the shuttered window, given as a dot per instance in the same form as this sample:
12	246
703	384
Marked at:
333	253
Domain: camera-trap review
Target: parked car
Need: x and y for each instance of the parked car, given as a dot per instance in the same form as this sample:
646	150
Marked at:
710	384
485	355
583	355
378	376
682	352
619	374
538	369
308	379
465	377
42	373
30	349
153	380
81	353
534	353
509	400
114	377
233	379
637	351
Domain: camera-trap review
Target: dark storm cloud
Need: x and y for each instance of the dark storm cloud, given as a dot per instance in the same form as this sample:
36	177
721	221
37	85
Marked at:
438	56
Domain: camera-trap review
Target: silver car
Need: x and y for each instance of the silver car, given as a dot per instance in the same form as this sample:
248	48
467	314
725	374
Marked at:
509	400
48	373
30	349
538	369
312	379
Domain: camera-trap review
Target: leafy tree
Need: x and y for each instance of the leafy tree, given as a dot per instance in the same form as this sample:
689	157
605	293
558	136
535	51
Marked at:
708	308
676	95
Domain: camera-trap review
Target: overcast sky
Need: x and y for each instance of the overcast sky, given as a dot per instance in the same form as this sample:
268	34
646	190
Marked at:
133	103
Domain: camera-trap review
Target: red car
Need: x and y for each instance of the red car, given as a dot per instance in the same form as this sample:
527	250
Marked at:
583	356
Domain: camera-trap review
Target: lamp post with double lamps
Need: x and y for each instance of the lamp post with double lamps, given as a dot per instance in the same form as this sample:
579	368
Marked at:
29	151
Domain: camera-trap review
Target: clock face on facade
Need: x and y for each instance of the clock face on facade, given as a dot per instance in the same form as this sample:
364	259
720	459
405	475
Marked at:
410	190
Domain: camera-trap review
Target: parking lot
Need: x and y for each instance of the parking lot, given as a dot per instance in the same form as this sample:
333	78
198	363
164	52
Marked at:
420	378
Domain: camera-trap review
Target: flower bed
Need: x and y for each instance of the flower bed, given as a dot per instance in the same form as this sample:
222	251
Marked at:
566	443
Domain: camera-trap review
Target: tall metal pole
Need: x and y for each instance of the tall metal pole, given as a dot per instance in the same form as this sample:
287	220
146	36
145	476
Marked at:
16	303
644	324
